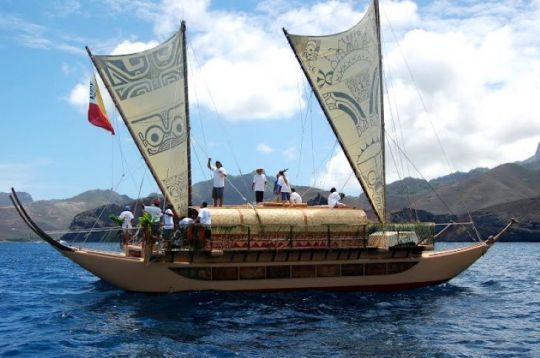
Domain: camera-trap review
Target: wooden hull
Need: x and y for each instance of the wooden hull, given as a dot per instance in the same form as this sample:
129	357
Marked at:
133	274
294	268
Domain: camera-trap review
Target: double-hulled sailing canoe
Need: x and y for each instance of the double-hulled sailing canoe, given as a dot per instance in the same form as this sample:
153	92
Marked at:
272	247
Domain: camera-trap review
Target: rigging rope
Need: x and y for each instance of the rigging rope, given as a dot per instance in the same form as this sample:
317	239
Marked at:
428	116
224	128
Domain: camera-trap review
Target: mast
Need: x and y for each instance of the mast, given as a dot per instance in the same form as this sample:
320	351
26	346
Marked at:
378	24
188	128
124	118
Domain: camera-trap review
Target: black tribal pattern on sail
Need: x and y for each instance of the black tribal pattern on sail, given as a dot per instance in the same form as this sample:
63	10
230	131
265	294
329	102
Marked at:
165	130
145	72
344	70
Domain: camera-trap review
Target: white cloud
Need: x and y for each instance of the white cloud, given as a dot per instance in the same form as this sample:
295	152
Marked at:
337	173
476	66
127	47
290	153
264	148
78	97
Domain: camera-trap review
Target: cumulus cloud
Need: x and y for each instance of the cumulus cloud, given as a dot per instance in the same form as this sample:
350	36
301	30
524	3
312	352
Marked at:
127	47
337	173
290	153
461	75
78	96
264	148
473	87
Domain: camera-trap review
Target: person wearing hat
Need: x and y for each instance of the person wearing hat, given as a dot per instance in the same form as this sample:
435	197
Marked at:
168	223
259	182
127	217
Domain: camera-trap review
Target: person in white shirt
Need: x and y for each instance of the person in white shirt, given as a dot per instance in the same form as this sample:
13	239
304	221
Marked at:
258	185
295	197
284	184
156	213
205	218
219	181
334	199
127	217
168	223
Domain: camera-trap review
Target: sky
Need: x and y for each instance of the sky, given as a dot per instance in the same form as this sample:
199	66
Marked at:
462	86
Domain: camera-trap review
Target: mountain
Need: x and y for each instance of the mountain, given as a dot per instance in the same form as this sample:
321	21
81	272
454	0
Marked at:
238	190
488	221
99	197
534	161
53	215
23	197
526	211
492	196
505	183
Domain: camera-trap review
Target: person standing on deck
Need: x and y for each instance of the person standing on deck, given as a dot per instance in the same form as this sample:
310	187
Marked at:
277	189
259	182
156	213
284	184
127	217
205	218
295	197
168	223
219	181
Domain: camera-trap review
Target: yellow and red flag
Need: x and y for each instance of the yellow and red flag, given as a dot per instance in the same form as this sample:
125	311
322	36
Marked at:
97	115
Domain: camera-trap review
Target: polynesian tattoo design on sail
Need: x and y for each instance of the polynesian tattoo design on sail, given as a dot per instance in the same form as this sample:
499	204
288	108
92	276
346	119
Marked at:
166	130
344	71
176	187
145	72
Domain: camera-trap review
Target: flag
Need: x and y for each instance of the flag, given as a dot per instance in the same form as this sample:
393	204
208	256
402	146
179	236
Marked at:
97	115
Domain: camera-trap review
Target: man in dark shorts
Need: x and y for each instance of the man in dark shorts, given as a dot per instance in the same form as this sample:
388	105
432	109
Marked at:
219	181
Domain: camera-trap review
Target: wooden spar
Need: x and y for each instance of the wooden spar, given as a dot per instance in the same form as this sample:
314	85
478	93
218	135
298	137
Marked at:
378	25
327	115
188	128
493	239
124	118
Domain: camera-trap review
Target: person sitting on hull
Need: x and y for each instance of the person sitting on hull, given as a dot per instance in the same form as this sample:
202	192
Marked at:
334	200
295	197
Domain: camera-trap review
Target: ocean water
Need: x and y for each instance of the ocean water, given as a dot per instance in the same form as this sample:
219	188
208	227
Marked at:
49	307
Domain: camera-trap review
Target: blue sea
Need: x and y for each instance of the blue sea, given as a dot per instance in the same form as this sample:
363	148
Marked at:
49	307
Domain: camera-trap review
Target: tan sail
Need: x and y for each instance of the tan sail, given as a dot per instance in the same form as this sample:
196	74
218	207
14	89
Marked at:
344	70
149	89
